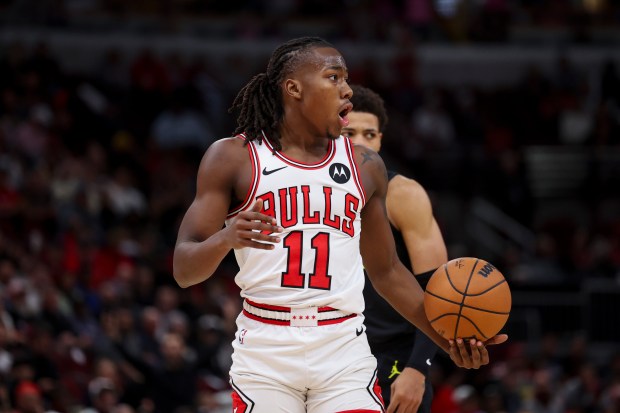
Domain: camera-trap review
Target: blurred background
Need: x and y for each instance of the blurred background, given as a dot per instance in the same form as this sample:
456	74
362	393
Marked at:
507	111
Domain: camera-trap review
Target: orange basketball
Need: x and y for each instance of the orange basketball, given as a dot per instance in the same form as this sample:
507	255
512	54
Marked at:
467	297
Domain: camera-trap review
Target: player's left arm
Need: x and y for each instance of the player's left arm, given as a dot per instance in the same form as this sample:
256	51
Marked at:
410	212
389	276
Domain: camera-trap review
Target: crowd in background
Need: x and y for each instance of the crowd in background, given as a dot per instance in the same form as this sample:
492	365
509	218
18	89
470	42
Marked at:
431	20
96	170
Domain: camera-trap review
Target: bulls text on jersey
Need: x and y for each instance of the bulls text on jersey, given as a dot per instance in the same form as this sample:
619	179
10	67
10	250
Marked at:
292	197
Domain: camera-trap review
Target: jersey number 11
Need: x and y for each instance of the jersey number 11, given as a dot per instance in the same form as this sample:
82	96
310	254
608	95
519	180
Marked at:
293	277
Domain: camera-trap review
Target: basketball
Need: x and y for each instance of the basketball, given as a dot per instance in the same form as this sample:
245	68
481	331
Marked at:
467	298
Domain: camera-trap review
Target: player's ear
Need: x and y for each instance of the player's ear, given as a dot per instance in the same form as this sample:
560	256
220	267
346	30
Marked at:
292	88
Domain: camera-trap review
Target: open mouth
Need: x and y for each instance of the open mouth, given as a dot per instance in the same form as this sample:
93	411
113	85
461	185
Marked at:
344	120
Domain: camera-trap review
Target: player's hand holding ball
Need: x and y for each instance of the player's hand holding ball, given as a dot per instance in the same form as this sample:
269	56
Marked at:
468	301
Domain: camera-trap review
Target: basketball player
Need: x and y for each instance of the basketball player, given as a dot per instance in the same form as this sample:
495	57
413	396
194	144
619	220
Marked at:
403	353
289	196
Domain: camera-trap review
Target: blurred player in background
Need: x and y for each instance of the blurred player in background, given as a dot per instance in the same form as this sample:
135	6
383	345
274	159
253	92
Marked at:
288	194
404	354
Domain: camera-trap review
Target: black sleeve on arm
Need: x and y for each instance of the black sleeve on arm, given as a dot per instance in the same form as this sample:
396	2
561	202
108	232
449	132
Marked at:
424	278
424	348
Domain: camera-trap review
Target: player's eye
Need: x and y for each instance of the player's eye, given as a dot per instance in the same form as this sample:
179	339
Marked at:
370	135
333	77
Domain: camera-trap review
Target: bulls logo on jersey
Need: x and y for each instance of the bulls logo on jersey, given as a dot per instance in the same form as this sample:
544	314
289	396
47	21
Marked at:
340	173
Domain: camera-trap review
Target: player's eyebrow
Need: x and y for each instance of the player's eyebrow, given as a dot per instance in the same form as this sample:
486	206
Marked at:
337	67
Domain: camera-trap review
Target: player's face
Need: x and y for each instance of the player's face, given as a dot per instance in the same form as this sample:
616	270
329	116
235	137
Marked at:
325	92
363	129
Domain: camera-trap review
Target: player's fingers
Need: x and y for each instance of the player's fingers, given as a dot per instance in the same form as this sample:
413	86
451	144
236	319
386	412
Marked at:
455	355
257	216
484	354
393	406
258	226
257	206
498	339
406	406
415	406
257	245
258	236
460	344
475	353
410	408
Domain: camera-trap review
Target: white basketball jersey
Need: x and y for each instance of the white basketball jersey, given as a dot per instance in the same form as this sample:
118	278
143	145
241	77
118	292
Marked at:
317	262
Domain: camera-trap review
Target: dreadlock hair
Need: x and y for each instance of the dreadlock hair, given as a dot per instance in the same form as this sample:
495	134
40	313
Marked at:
259	102
366	100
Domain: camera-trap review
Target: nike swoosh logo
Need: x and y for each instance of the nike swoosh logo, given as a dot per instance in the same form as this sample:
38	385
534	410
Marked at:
266	172
359	332
428	361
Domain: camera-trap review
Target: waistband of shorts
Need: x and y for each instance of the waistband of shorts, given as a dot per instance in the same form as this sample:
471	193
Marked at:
294	317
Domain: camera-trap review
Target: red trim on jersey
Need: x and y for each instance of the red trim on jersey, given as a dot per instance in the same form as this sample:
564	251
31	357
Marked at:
336	320
331	152
269	307
249	198
288	322
356	174
359	411
266	320
281	308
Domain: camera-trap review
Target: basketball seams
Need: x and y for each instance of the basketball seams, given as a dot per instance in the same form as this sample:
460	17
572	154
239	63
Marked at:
474	324
458	320
459	317
445	267
485	291
465	293
446	302
468	306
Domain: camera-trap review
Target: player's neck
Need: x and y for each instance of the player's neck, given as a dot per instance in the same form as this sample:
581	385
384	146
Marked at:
301	145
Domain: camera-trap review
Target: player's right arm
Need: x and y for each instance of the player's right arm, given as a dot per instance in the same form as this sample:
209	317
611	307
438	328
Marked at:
203	241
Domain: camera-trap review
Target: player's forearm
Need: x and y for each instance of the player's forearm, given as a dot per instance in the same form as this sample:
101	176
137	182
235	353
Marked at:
404	293
423	352
195	262
424	349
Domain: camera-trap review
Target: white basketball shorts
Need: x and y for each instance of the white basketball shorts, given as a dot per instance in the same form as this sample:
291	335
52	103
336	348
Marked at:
326	368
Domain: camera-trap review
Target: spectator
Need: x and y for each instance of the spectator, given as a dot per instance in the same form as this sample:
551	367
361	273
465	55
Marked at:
181	126
28	398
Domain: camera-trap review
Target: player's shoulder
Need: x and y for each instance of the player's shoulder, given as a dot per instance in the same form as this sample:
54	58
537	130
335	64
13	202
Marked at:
223	154
233	146
368	159
408	203
230	143
406	191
